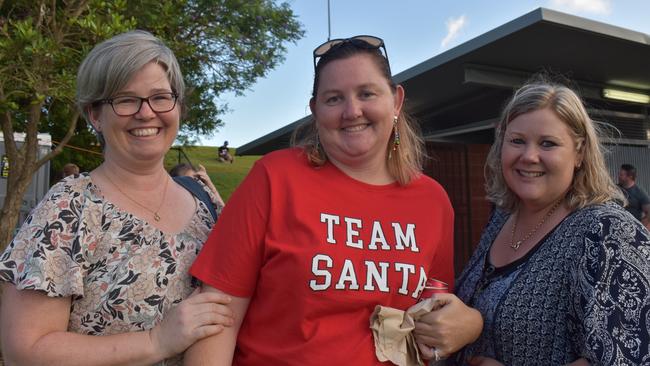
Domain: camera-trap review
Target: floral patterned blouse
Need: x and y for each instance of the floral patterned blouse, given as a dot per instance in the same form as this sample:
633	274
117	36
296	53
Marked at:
121	273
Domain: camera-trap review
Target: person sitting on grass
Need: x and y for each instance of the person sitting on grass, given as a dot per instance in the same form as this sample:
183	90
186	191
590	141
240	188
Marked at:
224	154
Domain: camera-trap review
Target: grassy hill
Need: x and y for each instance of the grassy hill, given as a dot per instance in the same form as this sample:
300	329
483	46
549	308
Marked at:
225	176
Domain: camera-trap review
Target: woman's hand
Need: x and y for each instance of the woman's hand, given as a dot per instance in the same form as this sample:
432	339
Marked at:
448	328
202	175
483	361
200	315
218	349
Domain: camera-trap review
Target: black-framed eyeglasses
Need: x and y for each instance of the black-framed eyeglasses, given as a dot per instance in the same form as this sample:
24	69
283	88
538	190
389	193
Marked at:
362	41
129	105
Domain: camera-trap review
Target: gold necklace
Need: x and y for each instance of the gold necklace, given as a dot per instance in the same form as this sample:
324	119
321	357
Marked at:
156	216
516	245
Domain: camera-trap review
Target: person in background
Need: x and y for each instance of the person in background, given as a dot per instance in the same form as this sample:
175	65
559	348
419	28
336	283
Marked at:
319	234
638	203
70	169
224	154
185	169
182	169
561	274
98	274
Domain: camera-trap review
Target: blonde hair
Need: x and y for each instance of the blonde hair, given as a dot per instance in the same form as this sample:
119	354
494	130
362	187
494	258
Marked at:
591	183
404	163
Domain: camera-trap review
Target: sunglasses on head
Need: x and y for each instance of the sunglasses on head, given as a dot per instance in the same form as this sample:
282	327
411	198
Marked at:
362	42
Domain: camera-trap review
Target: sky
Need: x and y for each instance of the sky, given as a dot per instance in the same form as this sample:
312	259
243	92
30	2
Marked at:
413	31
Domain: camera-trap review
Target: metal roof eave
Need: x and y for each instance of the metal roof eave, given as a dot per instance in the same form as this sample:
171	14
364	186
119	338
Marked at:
526	20
286	130
477	74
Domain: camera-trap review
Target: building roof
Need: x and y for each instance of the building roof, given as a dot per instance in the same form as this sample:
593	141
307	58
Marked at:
458	94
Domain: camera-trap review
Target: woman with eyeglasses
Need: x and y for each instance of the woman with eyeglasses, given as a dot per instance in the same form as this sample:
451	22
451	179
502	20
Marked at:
98	274
319	234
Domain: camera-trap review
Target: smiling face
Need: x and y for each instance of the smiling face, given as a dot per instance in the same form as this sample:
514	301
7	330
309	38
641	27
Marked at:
354	109
146	136
538	157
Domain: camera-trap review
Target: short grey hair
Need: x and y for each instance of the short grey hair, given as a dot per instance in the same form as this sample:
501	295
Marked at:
111	64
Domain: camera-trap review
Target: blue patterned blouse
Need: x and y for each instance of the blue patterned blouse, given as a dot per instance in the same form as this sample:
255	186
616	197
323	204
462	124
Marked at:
583	291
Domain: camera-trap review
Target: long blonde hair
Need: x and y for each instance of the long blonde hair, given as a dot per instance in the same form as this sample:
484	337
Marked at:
591	184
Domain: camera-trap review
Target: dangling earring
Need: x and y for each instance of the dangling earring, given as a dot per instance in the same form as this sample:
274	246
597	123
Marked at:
395	134
317	147
395	138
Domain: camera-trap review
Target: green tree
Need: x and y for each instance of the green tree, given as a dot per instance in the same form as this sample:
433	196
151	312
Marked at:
82	149
222	46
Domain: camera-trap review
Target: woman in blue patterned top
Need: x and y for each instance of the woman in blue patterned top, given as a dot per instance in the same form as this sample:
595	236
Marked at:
562	272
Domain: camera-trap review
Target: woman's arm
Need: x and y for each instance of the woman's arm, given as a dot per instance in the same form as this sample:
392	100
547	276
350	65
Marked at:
448	328
486	361
34	331
610	294
219	349
202	174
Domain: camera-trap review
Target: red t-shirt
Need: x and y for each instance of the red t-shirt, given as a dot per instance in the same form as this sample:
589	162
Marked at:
316	251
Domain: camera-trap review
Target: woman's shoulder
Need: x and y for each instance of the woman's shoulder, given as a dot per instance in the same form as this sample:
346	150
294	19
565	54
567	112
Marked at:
73	182
66	202
68	195
609	224
606	208
289	163
426	180
607	211
423	181
45	253
496	220
497	217
284	156
69	188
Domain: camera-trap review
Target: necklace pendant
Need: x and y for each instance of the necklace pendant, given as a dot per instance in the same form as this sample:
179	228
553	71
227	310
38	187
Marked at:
516	245
156	216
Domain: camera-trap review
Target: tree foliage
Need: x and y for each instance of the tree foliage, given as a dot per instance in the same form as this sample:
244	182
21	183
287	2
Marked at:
222	46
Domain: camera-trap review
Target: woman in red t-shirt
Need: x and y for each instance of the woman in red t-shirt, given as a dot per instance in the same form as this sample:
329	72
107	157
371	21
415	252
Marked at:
318	235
